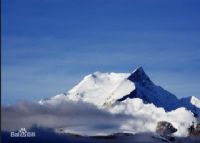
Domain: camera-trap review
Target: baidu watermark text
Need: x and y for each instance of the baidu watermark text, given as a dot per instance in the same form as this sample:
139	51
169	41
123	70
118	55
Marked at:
22	133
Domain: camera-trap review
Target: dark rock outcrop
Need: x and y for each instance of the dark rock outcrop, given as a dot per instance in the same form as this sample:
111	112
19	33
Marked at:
165	128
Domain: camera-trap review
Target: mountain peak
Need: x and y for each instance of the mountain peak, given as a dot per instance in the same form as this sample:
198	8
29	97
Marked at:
139	69
138	75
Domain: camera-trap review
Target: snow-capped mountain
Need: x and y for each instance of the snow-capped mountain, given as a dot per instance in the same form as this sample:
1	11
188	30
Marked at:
108	103
105	89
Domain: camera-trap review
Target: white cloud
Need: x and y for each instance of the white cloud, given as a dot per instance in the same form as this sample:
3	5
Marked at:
83	118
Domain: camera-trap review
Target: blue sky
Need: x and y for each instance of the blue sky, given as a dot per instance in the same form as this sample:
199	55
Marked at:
48	45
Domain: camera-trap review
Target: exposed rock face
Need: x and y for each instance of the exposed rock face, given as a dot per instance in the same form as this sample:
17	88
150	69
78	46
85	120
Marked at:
194	130
165	128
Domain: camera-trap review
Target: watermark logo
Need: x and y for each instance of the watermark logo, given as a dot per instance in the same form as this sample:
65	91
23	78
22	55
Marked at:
22	133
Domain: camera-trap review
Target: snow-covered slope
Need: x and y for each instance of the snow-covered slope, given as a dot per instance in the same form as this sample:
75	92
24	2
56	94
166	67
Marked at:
195	101
100	87
105	89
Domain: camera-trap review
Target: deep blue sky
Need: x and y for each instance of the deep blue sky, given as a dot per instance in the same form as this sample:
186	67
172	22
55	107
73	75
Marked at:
49	45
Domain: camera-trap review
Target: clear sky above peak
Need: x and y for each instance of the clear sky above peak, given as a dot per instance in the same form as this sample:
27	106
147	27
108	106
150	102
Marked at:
48	46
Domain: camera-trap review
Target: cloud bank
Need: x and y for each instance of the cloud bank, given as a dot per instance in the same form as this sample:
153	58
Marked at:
78	117
146	116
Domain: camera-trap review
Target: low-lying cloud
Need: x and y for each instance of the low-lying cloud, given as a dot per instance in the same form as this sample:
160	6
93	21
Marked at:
83	118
